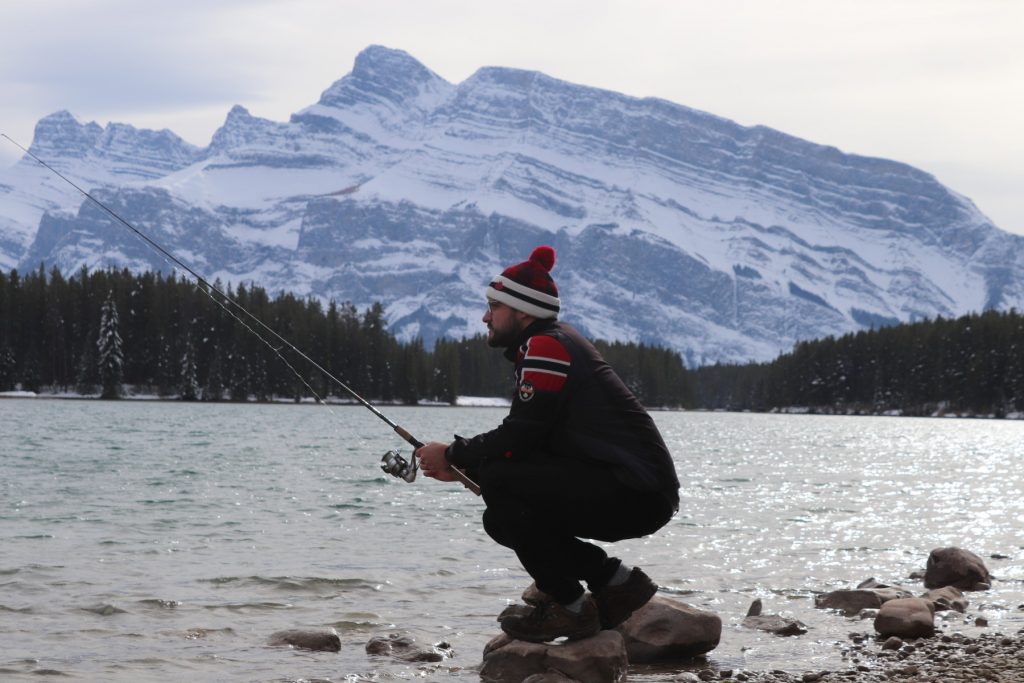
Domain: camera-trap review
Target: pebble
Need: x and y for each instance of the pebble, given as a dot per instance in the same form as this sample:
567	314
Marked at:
892	643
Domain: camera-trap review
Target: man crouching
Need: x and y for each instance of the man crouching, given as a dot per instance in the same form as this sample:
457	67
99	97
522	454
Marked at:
577	457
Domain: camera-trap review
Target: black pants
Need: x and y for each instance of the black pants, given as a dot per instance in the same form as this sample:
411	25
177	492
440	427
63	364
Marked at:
541	509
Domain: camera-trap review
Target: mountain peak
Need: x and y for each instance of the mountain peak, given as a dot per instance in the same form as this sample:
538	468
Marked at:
377	58
240	127
61	134
59	116
382	73
238	117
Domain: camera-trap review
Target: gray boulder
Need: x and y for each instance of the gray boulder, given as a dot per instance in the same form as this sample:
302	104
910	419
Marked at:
772	623
404	648
599	659
868	595
320	640
947	598
849	602
958	568
906	618
885	591
665	630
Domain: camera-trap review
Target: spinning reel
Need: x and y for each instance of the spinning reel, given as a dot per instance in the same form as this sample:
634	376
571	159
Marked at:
394	464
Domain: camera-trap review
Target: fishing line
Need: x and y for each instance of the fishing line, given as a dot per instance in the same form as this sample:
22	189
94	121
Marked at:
393	463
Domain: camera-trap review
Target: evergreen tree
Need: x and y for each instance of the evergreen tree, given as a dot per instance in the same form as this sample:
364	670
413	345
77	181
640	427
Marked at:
109	352
238	378
260	378
213	390
7	366
188	389
30	373
167	369
87	376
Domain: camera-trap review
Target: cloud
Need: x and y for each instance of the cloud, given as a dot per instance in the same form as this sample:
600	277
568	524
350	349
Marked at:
112	53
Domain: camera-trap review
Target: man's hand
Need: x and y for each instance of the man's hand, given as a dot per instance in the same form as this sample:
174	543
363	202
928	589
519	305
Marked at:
433	463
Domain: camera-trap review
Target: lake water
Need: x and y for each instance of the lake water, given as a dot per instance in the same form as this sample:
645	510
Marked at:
166	541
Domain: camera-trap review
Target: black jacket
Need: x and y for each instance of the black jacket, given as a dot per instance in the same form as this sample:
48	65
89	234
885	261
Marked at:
569	403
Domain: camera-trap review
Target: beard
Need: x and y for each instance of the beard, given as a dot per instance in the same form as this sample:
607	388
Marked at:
499	340
503	337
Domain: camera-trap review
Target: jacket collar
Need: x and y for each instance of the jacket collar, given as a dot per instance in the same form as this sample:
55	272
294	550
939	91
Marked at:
536	327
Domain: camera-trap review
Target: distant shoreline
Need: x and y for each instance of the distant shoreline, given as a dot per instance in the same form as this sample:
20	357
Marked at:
494	402
461	402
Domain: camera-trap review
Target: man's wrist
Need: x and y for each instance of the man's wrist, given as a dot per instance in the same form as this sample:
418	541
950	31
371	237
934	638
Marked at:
450	454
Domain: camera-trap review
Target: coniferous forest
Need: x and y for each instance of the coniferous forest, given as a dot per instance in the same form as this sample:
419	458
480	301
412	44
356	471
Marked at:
106	332
102	331
969	365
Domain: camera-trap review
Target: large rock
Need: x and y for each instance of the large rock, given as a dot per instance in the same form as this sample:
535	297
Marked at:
404	648
869	594
599	659
665	630
320	640
772	623
956	567
947	598
906	618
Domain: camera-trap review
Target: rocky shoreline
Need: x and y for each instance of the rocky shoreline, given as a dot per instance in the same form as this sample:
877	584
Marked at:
907	643
989	657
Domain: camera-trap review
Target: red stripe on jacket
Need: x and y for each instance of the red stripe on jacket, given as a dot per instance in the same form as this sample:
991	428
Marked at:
545	364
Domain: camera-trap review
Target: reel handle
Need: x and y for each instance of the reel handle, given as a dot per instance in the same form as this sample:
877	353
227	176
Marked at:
459	474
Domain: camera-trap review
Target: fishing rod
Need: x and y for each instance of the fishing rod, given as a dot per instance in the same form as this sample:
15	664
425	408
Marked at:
393	463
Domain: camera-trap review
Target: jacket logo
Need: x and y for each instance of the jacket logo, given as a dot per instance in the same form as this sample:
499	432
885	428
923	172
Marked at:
526	391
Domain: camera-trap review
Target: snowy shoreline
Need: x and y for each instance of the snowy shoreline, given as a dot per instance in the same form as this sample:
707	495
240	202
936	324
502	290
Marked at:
498	402
460	402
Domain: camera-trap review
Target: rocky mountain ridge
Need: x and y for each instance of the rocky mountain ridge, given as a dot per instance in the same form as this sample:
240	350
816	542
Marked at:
672	226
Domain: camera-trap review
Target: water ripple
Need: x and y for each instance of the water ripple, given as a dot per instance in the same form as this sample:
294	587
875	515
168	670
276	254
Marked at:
129	509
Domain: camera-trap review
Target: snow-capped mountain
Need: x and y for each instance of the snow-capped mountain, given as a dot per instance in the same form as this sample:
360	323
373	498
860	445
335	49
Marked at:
672	226
89	155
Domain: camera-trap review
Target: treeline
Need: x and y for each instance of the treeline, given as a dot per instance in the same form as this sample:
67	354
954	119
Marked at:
973	364
98	332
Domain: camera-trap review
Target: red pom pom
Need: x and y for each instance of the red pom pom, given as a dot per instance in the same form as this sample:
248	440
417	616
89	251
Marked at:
544	256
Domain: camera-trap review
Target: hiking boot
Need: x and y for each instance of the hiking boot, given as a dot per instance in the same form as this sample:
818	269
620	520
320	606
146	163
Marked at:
550	620
532	596
535	596
515	610
615	604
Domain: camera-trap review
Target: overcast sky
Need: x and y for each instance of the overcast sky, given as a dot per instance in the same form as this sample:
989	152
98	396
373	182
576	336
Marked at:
938	84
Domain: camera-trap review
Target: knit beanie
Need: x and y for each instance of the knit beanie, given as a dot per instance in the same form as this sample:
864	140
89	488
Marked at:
528	286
